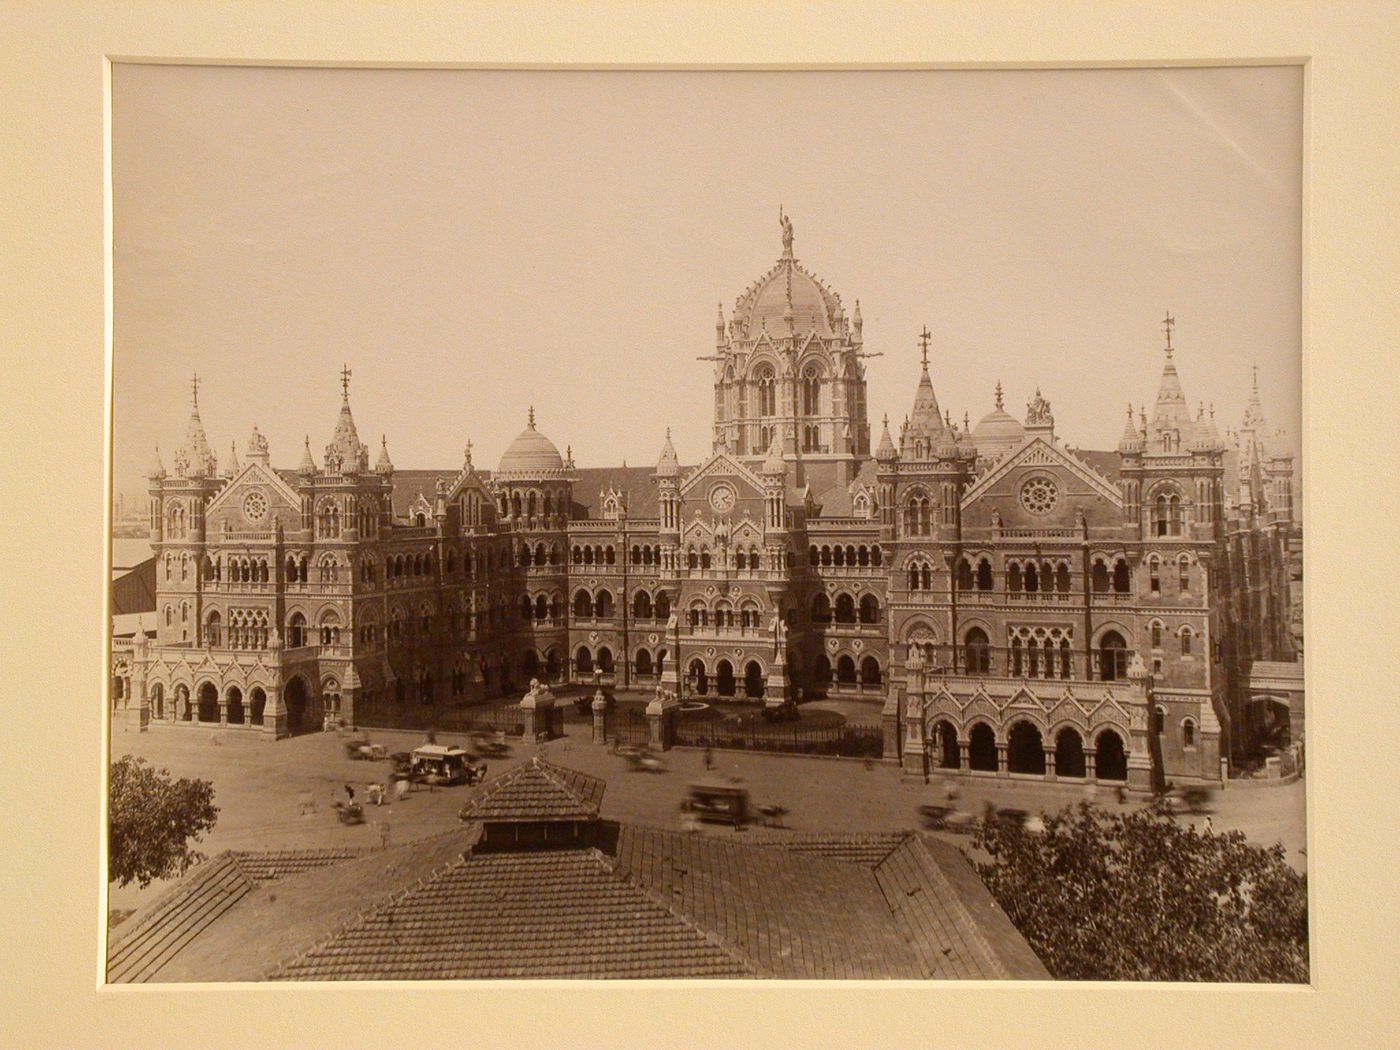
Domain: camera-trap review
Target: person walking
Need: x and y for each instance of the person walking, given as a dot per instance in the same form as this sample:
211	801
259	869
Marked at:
350	792
709	758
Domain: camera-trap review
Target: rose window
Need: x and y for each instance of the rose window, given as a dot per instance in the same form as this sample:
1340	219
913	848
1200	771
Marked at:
255	506
1039	495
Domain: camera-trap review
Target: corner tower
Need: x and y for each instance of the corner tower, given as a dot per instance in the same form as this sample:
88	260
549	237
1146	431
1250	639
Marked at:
788	366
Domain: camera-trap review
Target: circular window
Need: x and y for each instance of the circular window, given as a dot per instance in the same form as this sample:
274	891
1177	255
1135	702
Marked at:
255	506
1039	495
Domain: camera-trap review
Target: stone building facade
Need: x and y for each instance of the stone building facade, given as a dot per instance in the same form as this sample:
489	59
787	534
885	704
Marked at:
1011	604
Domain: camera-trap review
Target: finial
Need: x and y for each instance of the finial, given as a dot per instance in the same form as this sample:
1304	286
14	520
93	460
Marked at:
887	419
999	405
1167	325
947	418
1201	410
469	453
532	417
1255	369
1212	411
194	391
924	338
668	433
1130	411
967	423
345	382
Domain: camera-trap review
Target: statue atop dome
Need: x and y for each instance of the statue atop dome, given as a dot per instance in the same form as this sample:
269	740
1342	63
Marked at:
786	224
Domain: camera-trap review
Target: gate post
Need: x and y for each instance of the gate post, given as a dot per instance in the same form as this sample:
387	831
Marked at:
537	710
600	714
661	719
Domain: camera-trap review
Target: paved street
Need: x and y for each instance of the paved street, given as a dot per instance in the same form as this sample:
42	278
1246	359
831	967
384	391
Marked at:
258	782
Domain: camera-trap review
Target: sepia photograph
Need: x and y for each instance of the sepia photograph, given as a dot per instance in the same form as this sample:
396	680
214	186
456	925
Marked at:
652	524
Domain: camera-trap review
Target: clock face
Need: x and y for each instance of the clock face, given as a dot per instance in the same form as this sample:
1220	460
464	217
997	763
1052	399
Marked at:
722	498
255	506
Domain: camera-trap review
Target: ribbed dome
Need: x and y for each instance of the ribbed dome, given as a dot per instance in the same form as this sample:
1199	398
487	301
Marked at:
997	433
531	455
769	306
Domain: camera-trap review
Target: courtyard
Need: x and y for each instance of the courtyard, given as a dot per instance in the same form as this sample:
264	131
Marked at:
260	784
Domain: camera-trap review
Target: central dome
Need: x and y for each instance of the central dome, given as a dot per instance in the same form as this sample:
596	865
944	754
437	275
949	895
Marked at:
531	455
788	285
997	433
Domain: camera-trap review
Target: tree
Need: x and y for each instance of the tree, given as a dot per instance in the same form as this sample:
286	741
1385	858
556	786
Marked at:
1102	896
152	819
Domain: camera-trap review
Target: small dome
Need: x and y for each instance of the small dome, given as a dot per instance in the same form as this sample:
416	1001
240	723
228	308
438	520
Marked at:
997	433
531	455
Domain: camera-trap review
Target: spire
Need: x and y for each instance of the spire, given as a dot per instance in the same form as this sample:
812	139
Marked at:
1254	410
1206	438
346	454
1131	441
308	465
668	466
926	424
999	401
231	467
383	464
885	451
719	325
195	458
157	467
1171	399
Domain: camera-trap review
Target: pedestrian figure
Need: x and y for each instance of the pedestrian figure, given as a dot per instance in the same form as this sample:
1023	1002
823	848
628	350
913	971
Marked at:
401	789
709	759
306	803
383	834
350	792
1210	826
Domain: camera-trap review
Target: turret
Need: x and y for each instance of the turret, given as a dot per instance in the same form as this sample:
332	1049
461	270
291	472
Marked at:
307	468
384	465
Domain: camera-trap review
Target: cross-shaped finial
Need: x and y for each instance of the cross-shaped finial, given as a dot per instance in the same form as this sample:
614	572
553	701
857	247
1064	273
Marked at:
1167	325
924	338
194	390
345	382
999	393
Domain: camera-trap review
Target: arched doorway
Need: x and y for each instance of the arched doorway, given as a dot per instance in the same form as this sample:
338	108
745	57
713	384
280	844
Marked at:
234	698
257	700
753	680
157	701
982	748
1025	750
945	740
295	699
530	664
1069	753
605	660
724	678
1110	760
583	660
208	702
845	671
699	680
1113	657
643	663
551	665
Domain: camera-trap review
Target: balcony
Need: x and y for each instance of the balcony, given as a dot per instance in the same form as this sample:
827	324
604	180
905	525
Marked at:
1028	664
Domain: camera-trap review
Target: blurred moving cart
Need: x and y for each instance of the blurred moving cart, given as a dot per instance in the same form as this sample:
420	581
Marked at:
439	764
719	800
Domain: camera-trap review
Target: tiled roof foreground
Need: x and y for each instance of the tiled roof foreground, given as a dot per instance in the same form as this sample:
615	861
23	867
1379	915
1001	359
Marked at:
638	902
536	790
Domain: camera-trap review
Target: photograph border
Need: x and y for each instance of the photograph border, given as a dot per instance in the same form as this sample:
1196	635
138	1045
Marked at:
65	90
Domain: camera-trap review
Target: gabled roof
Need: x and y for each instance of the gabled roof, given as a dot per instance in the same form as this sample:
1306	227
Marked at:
1039	452
255	473
536	790
721	463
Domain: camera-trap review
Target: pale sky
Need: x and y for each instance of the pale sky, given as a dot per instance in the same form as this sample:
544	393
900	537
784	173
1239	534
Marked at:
472	243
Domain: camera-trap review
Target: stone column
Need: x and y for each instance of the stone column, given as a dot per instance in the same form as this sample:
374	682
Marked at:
1091	758
890	716
350	688
1049	763
1143	776
138	715
964	755
223	709
275	714
1001	761
914	756
600	711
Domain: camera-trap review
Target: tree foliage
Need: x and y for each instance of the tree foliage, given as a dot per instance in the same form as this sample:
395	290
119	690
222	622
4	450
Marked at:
1103	896
152	819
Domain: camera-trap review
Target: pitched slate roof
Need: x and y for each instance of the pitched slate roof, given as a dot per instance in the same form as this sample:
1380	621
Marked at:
536	790
1105	463
142	947
134	591
548	913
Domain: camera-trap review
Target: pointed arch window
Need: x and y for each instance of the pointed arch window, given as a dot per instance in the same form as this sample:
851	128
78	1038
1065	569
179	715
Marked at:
767	391
811	390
